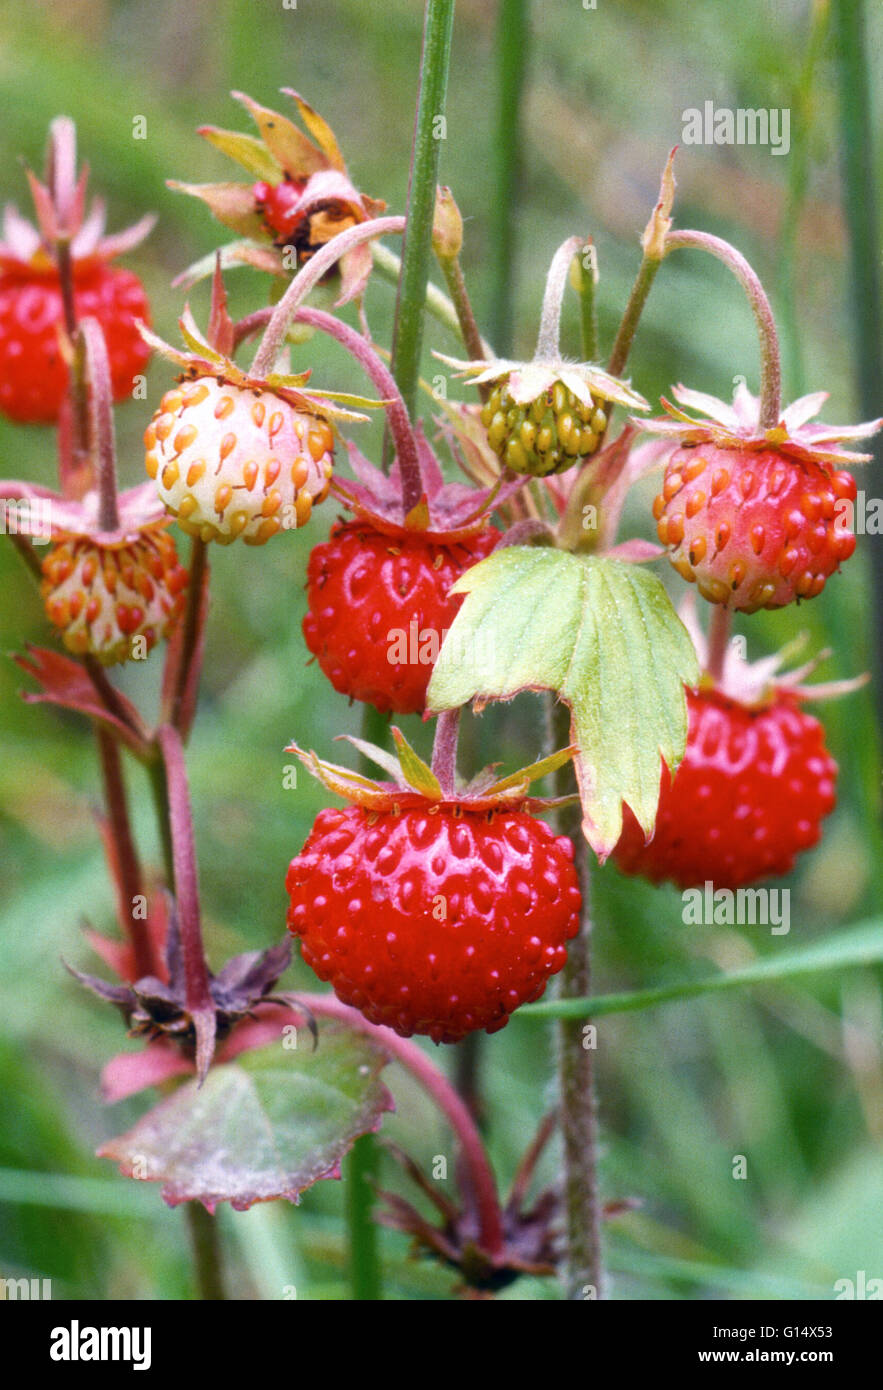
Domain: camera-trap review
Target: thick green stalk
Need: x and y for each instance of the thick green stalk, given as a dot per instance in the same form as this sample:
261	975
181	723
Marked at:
207	1259
407	342
864	248
512	48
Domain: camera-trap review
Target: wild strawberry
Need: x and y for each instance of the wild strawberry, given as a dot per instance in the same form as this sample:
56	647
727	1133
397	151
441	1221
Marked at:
544	416
33	371
231	462
432	915
303	196
379	609
236	455
103	597
749	796
756	518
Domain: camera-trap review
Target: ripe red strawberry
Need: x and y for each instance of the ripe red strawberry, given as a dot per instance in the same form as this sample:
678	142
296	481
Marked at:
748	797
436	920
753	530
756	517
379	609
33	372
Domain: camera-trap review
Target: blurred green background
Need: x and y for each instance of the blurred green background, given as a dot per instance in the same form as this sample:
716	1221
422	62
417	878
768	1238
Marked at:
791	1077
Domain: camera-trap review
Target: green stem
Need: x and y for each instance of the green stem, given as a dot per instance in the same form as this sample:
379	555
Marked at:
803	103
583	1268
587	282
625	336
389	267
859	183
365	1275
207	1255
407	342
512	48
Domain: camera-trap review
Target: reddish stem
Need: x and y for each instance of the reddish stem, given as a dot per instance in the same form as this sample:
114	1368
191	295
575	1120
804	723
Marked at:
306	280
770	361
718	640
102	445
129	867
377	372
437	1086
196	977
444	750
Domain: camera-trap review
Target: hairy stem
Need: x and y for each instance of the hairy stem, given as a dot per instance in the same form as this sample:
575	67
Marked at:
583	1269
770	361
102	444
718	639
306	280
625	336
444	750
191	643
131	880
553	298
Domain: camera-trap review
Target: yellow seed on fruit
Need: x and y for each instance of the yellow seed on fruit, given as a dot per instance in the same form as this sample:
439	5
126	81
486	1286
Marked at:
528	435
258	412
516	458
276	422
695	502
195	472
300	471
762	593
715	590
272	469
195	395
559	397
225	406
238	523
672	486
697	550
250	474
487	414
164	426
758	536
271	504
737	574
720	480
172	401
185	437
545	440
223	497
694	468
151	463
303	508
588	441
538	409
675	529
187	506
169	475
268	528
316	444
149	437
207	532
599	421
497	432
228	444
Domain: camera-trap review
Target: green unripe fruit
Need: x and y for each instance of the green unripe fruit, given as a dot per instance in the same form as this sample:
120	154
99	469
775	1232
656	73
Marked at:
549	435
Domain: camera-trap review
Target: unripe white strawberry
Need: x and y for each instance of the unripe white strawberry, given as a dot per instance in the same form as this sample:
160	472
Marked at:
104	597
230	460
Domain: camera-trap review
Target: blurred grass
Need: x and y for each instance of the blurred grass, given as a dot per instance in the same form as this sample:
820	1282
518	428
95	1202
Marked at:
789	1077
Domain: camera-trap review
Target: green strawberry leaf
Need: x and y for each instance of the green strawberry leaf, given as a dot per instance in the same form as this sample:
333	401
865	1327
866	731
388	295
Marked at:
266	1125
603	634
